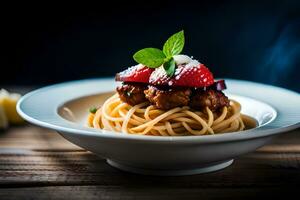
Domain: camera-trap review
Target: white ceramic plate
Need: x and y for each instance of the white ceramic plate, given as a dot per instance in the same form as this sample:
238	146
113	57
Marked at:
64	108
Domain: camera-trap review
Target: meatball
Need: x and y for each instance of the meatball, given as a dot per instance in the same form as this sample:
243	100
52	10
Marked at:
132	93
168	98
212	98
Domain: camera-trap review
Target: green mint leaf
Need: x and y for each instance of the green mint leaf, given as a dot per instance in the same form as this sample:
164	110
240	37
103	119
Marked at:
169	67
174	45
150	57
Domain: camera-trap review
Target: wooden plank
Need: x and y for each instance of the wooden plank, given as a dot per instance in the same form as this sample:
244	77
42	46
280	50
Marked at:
126	192
82	168
34	138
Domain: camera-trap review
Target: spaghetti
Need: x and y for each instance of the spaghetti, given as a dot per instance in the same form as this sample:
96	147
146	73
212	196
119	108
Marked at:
146	119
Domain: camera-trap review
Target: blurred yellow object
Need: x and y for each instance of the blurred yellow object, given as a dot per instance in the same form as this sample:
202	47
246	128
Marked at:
8	104
3	118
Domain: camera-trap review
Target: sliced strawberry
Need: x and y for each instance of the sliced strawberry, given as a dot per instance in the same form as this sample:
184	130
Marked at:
194	76
136	74
185	76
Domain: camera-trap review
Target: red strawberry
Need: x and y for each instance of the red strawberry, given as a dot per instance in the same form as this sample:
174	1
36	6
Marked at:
185	75
137	74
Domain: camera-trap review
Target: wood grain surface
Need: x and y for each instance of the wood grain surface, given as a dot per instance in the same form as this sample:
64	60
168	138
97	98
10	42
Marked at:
37	163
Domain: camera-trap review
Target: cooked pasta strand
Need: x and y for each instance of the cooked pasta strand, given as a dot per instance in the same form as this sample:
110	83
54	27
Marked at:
145	119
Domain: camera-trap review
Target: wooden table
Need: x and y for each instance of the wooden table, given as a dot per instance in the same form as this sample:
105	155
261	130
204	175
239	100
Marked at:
36	163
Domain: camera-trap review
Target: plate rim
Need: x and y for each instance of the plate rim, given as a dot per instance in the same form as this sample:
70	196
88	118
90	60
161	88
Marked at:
85	131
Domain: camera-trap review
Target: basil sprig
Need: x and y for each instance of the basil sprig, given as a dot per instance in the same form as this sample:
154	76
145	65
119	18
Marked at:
153	57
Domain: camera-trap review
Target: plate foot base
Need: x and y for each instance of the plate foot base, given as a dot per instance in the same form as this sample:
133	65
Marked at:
172	172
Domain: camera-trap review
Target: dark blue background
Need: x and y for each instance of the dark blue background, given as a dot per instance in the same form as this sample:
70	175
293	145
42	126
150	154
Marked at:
254	40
